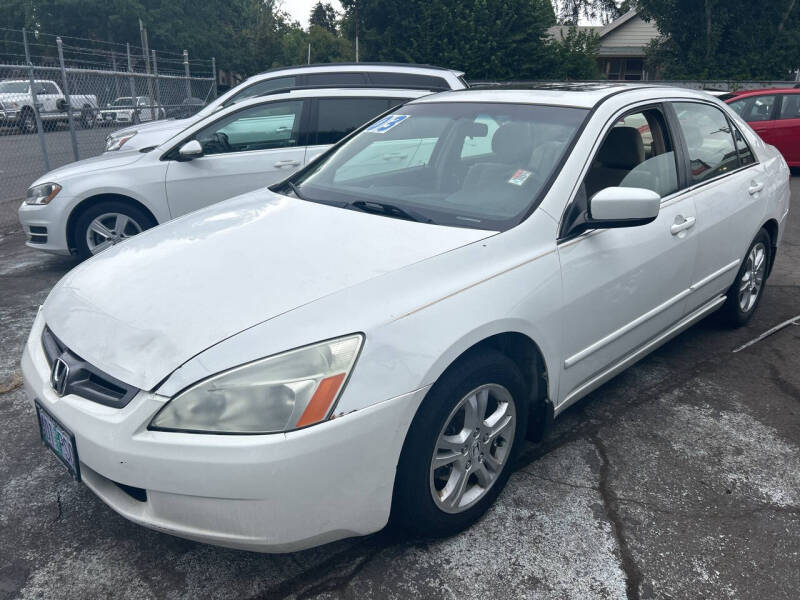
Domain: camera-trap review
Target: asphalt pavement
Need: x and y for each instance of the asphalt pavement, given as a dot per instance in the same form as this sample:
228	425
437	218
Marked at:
678	479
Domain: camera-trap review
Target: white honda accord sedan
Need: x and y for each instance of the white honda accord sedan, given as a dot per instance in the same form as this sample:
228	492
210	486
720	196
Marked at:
378	334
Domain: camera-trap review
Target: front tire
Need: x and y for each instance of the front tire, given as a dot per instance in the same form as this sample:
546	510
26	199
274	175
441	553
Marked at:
106	224
745	294
461	446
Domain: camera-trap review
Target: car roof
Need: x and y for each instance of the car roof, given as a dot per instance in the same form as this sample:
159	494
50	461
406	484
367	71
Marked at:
578	95
765	92
360	66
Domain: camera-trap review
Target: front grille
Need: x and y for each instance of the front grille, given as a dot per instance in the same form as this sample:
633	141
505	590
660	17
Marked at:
82	378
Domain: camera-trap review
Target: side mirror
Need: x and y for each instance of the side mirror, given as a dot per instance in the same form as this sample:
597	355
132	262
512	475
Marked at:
623	207
191	149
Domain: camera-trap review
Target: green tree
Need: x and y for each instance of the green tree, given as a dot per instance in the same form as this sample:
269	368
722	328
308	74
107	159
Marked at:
724	39
323	15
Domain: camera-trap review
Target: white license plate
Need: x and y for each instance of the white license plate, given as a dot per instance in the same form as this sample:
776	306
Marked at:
60	440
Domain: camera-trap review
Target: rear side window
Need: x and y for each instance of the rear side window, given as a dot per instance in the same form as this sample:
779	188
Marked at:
336	117
709	140
347	78
262	87
425	82
790	106
745	154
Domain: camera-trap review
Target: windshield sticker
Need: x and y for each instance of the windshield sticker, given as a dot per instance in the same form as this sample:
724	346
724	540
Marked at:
520	177
387	123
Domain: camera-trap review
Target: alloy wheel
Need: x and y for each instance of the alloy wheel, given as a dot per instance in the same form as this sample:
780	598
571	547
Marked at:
753	277
472	448
109	229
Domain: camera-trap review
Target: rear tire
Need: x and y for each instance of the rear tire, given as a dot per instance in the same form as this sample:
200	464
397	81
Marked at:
97	227
27	121
745	294
87	117
429	500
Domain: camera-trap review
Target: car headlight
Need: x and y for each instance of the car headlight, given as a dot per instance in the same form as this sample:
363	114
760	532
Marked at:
275	394
116	142
42	193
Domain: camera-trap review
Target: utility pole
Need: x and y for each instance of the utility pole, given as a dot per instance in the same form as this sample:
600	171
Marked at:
309	54
356	30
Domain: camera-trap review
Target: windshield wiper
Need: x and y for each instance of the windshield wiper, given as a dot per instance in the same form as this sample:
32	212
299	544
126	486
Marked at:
390	210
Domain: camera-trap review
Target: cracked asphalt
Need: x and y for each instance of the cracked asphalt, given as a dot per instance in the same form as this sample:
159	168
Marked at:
678	479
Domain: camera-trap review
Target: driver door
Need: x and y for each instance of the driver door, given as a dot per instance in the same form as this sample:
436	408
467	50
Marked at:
243	151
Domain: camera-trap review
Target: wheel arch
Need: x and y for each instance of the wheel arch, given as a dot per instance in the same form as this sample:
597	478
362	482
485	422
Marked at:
531	361
771	227
94	200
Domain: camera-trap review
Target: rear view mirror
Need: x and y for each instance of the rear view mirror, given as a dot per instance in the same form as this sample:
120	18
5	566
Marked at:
477	130
623	207
191	149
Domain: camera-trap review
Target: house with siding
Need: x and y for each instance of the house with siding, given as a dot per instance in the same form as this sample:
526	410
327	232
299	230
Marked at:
623	43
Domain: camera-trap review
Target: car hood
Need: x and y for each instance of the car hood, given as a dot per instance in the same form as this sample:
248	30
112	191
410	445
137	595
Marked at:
88	165
154	133
141	309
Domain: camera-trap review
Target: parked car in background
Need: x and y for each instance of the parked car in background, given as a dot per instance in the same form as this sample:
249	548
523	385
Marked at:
90	205
377	334
377	75
16	105
127	110
774	114
187	108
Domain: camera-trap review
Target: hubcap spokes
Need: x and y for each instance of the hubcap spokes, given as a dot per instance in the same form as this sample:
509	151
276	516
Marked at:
753	277
109	229
472	448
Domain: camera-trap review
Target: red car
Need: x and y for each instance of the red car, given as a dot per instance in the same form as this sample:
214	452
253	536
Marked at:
775	115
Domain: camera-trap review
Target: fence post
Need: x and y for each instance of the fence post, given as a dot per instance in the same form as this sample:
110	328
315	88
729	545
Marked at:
68	99
130	78
37	116
116	78
186	71
214	76
158	87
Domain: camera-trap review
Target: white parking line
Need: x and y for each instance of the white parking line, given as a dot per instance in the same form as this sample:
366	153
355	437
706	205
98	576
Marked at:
769	332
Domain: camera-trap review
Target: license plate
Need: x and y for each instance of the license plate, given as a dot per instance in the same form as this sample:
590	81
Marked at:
60	440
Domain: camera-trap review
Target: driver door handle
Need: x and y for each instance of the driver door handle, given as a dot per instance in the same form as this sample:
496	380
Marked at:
681	225
755	187
286	163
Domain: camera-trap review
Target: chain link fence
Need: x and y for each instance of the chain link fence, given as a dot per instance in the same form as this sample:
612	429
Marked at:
61	97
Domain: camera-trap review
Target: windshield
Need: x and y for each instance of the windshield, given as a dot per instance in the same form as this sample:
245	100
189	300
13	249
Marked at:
480	165
13	87
123	102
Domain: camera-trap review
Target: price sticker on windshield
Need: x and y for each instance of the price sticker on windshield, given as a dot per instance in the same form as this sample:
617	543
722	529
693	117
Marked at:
387	123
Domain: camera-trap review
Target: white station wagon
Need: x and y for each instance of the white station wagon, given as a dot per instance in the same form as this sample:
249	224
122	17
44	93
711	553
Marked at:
378	334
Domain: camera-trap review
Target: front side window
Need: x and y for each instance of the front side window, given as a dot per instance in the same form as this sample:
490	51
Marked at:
790	106
122	103
273	125
13	87
412	163
637	152
262	87
336	117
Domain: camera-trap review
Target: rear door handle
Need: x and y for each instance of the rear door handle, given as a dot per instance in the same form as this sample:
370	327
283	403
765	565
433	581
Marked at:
681	224
286	163
755	187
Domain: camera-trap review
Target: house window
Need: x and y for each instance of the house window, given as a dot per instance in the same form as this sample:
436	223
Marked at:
627	69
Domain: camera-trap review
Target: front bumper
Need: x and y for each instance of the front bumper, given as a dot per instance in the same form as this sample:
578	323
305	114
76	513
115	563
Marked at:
269	493
45	226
